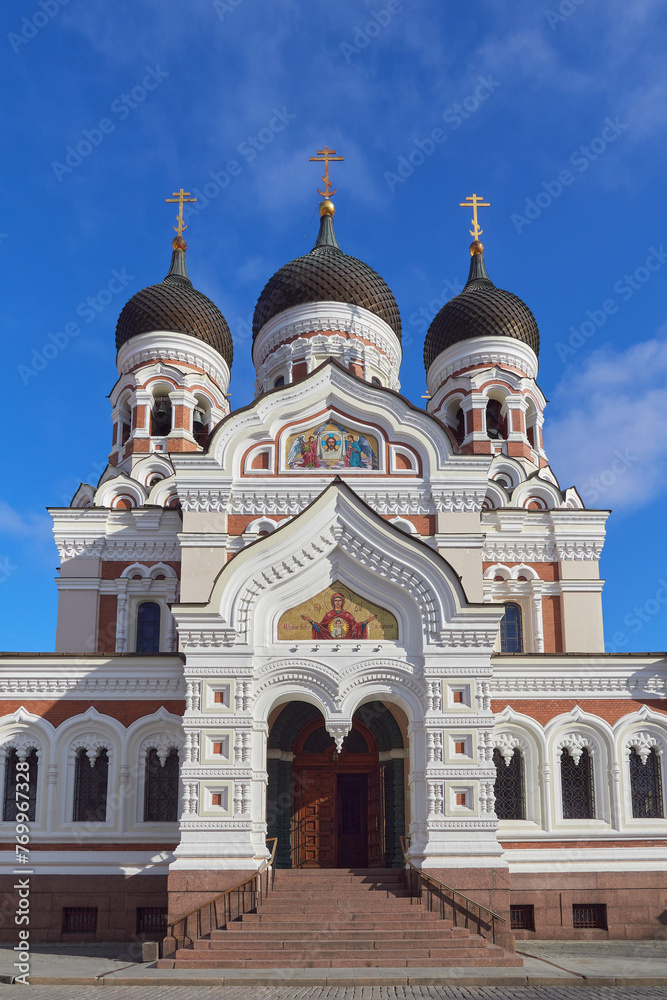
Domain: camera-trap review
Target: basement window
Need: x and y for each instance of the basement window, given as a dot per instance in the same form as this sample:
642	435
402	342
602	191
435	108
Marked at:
586	915
79	920
151	920
522	918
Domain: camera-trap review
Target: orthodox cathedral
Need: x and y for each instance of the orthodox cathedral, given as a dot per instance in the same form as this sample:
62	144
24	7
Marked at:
332	631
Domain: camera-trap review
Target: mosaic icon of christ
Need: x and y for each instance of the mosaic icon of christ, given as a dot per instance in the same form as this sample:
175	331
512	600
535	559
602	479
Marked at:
339	623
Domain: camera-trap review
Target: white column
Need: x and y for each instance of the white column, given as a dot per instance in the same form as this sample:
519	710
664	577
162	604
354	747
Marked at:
537	618
121	615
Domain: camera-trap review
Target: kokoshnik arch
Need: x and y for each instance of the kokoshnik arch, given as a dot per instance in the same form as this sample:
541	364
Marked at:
336	618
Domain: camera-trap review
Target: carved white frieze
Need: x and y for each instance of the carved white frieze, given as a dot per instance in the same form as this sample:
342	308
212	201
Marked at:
162	744
574	743
468	638
23	743
643	744
159	549
93	744
459	501
537	550
507	743
207	638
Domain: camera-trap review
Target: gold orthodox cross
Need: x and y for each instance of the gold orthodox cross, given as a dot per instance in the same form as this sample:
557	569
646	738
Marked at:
325	156
180	197
474	201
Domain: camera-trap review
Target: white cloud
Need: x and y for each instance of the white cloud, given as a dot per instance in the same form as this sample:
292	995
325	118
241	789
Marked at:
23	523
608	436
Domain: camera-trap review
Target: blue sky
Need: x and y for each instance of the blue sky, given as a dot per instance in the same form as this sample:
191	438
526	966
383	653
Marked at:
555	112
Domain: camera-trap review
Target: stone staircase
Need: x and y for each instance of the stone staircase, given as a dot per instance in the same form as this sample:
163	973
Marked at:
335	918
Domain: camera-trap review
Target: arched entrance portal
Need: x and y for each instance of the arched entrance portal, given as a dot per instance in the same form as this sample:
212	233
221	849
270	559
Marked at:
335	810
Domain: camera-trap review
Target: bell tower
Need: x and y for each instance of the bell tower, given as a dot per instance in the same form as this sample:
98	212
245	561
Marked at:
481	359
323	305
174	357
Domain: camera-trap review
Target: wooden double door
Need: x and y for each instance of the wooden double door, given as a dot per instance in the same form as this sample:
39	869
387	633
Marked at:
337	818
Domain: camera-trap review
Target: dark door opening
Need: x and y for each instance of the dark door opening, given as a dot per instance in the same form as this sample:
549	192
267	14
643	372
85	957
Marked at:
352	818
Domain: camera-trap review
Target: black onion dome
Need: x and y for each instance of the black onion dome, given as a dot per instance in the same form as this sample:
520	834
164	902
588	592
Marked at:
177	306
326	274
480	310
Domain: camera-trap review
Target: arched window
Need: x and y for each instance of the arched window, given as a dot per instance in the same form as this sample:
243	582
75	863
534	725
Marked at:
14	800
148	627
90	787
496	425
375	380
511	629
460	431
280	381
577	785
646	785
510	786
161	787
161	416
200	425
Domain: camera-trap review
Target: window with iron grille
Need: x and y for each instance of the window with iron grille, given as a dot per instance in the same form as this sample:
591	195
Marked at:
90	787
510	787
646	786
151	920
161	787
9	809
577	786
511	629
148	627
522	918
589	915
79	920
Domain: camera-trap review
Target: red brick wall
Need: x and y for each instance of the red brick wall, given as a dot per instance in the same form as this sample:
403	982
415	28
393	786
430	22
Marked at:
544	709
106	624
237	523
545	571
126	712
112	570
552	625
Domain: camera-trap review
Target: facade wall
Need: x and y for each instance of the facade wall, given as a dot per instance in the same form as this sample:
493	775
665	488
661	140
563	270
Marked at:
115	897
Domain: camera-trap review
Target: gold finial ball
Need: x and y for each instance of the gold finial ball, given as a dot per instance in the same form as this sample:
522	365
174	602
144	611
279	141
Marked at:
327	207
476	247
178	243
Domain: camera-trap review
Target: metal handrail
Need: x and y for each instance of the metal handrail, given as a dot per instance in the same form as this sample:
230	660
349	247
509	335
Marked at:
404	842
252	885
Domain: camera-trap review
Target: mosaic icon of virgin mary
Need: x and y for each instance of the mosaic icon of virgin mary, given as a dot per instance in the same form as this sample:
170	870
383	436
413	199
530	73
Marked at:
339	623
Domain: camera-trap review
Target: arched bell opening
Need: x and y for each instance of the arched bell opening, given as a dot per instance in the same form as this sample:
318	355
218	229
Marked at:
333	809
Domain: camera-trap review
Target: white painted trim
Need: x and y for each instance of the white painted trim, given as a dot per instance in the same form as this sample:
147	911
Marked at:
323	316
165	345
